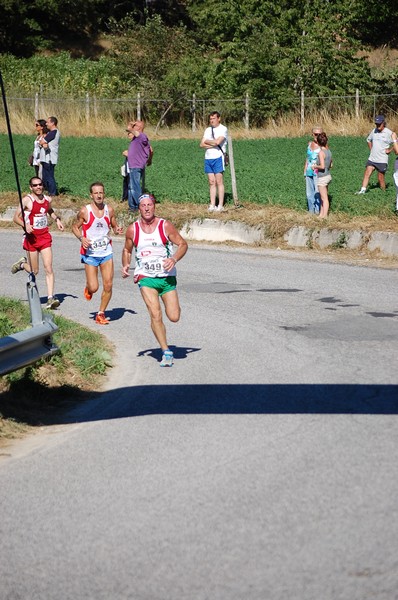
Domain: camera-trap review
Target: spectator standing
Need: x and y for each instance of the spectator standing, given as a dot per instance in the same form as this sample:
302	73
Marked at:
37	239
311	188
50	144
138	154
92	227
324	164
215	139
38	151
395	174
155	268
379	141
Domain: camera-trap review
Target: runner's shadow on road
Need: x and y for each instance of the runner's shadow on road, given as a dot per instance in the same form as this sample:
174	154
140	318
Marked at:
61	297
115	314
179	352
273	399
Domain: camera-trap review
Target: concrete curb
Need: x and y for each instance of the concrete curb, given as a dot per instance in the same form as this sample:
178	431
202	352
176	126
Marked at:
296	237
212	230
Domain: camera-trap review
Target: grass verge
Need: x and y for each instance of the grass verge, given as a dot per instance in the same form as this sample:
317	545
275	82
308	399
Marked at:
32	396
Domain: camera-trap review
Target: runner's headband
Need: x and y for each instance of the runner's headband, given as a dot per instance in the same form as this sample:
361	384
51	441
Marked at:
146	197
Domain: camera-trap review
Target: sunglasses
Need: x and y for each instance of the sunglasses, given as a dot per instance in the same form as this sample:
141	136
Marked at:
37	185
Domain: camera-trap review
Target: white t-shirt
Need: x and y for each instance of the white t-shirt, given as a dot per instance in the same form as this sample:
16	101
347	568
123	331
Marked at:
218	131
381	141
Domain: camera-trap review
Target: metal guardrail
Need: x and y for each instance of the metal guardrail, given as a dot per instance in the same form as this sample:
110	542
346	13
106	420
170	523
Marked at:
31	345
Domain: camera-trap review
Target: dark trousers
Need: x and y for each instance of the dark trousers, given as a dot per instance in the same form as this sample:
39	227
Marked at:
49	179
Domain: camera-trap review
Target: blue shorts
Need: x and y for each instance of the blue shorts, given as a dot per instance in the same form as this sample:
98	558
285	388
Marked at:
214	165
95	261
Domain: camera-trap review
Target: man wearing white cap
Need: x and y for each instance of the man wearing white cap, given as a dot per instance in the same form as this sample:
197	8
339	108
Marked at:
380	141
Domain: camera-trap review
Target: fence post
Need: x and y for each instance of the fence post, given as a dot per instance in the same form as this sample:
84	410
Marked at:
232	167
247	111
357	103
95	106
36	105
87	107
41	100
302	110
138	106
193	113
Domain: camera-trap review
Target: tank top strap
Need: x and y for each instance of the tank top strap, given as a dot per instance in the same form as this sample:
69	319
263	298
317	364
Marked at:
136	234
162	233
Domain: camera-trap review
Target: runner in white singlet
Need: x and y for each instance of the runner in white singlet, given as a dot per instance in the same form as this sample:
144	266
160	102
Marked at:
155	269
92	227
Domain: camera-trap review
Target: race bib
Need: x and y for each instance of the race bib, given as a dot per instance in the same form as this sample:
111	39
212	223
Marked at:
40	222
153	265
102	243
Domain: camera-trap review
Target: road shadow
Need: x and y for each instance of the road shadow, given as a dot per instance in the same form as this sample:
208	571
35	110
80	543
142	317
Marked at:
273	399
115	314
77	406
179	352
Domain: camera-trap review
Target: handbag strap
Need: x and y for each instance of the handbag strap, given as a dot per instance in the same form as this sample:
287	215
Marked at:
218	145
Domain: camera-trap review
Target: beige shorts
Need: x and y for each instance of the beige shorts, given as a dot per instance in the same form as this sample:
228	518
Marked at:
324	181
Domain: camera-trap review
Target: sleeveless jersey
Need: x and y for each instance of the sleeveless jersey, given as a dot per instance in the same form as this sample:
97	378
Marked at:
96	230
312	156
37	217
151	249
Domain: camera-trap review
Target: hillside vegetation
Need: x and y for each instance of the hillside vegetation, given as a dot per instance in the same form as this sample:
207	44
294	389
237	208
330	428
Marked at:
215	49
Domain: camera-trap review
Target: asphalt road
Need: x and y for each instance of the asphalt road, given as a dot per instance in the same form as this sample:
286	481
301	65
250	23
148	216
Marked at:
263	465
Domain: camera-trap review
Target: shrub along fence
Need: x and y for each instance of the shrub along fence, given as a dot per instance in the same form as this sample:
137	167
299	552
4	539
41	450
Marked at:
193	111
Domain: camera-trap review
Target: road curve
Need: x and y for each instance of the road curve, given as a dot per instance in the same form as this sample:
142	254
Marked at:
262	465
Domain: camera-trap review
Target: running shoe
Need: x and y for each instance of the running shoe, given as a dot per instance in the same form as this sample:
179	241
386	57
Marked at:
52	302
87	294
211	208
101	319
167	359
18	266
360	192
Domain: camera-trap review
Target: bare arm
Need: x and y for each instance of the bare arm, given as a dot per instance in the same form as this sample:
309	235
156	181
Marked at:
27	205
56	218
116	229
177	239
212	143
76	227
127	251
321	165
394	142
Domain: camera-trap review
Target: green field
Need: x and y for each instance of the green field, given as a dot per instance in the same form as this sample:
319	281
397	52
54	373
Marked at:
268	171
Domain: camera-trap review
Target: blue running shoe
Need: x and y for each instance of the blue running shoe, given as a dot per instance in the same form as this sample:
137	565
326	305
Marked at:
167	359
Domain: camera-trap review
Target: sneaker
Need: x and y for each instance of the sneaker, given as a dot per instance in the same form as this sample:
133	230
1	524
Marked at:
219	209
101	319
52	302
211	208
87	294
167	359
360	192
18	266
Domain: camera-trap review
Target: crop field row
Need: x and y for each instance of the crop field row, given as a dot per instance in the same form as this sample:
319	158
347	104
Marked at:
268	171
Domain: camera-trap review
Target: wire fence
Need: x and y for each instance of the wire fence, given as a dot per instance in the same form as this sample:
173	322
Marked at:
193	111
